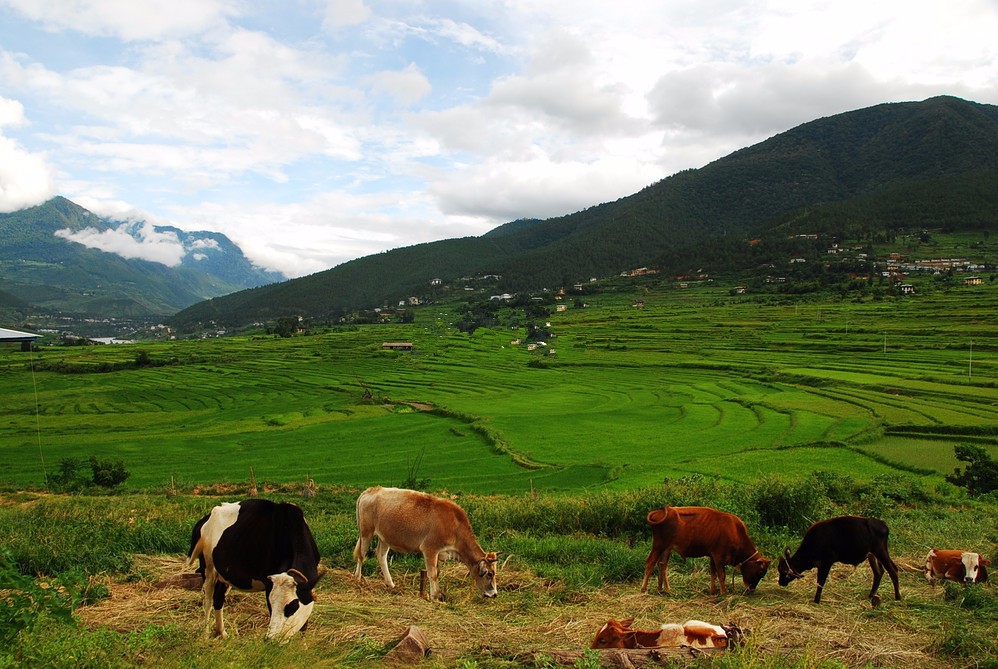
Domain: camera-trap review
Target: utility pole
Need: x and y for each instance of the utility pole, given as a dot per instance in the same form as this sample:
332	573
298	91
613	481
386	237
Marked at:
970	366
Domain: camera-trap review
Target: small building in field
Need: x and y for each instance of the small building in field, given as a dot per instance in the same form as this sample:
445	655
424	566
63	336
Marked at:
26	339
396	346
973	281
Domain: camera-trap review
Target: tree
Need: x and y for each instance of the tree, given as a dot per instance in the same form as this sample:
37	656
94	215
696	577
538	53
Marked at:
981	473
108	474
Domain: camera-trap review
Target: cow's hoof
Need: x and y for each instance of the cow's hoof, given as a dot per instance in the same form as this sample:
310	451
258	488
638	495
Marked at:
875	601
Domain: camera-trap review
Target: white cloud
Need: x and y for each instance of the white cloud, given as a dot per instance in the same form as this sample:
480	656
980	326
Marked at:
407	86
131	241
314	132
129	20
26	179
343	13
537	188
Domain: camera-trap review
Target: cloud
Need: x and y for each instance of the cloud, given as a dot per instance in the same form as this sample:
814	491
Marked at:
252	105
537	188
314	132
128	20
343	13
407	86
131	240
26	179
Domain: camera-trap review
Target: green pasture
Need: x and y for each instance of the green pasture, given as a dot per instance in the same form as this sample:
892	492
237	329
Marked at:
695	382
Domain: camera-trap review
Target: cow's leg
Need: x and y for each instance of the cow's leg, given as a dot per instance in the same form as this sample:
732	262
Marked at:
208	596
892	570
432	573
650	563
360	554
878	573
823	569
663	570
718	570
218	601
382	552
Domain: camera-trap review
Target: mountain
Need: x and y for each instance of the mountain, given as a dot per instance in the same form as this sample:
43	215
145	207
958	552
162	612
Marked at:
49	258
883	168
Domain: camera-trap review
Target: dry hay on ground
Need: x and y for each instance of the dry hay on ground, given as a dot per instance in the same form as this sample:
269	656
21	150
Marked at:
532	614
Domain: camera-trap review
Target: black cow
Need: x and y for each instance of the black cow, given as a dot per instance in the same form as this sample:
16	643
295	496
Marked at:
845	539
258	545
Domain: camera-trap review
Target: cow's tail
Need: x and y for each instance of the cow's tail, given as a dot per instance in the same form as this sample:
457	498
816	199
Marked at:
197	550
658	516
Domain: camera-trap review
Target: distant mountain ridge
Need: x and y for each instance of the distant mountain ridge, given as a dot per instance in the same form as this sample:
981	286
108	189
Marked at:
861	168
51	258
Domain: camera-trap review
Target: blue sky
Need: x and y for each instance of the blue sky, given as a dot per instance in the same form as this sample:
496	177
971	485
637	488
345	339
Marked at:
312	132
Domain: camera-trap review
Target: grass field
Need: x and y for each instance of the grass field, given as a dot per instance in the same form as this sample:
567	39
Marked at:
784	411
695	382
569	563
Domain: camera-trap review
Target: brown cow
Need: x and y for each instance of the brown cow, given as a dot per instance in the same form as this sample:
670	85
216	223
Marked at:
698	531
409	521
692	633
958	566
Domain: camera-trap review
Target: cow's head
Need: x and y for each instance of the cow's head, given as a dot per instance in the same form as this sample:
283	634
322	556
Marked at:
484	574
974	567
615	634
753	570
291	602
787	572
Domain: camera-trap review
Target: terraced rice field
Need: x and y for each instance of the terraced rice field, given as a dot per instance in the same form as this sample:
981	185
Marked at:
696	382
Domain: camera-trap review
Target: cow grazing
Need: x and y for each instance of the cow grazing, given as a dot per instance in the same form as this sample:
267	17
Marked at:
698	531
692	633
409	521
258	545
958	566
845	539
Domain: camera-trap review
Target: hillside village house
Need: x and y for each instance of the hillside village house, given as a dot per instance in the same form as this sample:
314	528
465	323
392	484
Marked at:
396	346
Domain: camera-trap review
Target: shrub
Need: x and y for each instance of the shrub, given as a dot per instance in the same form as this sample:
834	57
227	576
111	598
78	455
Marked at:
69	477
25	600
981	473
794	505
107	473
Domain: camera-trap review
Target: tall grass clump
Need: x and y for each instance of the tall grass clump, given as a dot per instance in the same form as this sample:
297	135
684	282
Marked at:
775	502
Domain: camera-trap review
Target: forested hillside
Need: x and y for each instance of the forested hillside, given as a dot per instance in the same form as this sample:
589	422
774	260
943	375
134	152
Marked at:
42	266
867	173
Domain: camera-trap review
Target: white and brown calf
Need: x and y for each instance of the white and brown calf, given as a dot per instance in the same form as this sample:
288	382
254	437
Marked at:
408	521
956	565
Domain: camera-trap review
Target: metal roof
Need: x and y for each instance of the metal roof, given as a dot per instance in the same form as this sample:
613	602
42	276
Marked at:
16	335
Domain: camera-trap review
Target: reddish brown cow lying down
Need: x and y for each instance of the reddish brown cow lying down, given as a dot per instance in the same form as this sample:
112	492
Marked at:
692	633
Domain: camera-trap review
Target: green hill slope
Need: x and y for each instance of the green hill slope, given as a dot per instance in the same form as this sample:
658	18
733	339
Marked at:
57	275
941	154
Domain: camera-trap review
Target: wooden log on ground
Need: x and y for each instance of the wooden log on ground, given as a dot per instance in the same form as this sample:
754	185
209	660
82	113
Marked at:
630	658
185	581
411	648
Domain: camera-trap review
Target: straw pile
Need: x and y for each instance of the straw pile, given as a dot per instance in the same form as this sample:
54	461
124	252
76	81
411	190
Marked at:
534	615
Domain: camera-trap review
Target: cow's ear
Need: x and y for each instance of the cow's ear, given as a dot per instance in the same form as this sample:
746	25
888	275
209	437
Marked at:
786	553
492	557
984	561
627	622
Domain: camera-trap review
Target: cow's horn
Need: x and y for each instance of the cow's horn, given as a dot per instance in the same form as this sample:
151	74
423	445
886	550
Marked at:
786	553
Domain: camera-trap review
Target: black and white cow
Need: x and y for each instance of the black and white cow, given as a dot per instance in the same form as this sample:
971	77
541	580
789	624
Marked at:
258	545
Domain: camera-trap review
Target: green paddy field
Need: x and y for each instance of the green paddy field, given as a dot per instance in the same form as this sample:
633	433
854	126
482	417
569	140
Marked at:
695	382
